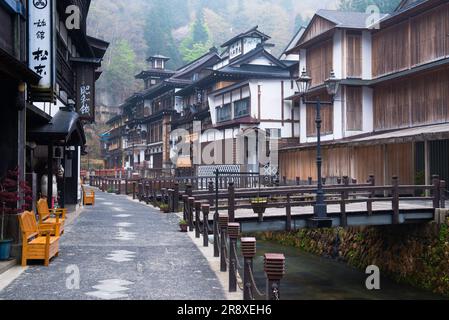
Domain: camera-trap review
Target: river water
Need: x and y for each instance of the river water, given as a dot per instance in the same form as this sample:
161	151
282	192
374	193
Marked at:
309	277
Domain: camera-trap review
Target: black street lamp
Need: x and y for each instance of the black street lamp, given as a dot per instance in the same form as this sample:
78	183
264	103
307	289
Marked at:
304	82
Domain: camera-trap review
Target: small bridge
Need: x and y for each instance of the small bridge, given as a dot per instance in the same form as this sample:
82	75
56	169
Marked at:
289	207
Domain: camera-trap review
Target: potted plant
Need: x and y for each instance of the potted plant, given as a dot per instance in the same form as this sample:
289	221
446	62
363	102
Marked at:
164	208
183	225
9	196
5	244
259	205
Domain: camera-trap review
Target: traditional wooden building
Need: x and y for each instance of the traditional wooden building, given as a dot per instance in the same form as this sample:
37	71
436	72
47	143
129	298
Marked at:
113	141
149	116
69	62
244	91
47	75
390	116
15	79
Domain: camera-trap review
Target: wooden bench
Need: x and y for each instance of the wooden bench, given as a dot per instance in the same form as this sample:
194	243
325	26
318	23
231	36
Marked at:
51	216
88	196
38	244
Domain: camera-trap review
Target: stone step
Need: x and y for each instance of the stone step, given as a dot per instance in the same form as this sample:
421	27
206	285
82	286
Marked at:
6	265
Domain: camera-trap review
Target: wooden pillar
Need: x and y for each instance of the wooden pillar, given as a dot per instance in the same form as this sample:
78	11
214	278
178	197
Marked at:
231	202
288	219
436	191
395	202
428	175
50	174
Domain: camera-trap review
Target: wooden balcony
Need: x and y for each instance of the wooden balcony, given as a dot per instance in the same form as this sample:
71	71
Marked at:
65	75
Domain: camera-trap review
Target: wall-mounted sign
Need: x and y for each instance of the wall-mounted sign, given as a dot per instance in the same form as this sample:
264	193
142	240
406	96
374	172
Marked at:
40	42
85	86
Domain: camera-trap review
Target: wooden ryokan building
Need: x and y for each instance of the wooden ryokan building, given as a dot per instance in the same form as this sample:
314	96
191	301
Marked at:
391	115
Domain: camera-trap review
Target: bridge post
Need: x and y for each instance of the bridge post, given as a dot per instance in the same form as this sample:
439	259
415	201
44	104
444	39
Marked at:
372	182
248	247
197	219
231	202
344	197
275	270
176	197
190	212
298	181
395	201
310	181
443	194
185	200
436	191
170	200
288	220
205	208
211	192
234	232
134	190
140	191
223	221
189	189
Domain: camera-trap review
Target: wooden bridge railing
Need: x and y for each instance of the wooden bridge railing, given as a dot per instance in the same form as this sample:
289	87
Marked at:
304	196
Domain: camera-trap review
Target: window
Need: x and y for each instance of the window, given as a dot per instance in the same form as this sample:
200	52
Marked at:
241	108
224	113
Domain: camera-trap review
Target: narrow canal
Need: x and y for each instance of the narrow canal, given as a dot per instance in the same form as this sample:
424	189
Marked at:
310	277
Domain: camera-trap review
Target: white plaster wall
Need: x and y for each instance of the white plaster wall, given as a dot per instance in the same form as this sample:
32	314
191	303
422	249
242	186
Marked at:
366	55
338	54
262	61
368	119
291	57
368	110
338	116
302	60
250	43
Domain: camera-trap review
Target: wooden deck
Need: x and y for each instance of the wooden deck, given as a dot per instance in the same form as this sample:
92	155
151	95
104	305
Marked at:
354	208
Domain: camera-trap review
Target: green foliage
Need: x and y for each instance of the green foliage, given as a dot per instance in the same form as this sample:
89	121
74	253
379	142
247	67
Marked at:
385	6
259	200
122	68
198	42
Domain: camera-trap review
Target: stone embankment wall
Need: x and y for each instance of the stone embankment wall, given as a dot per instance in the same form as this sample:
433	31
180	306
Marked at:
412	254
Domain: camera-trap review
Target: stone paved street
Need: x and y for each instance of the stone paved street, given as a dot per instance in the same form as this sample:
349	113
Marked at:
123	250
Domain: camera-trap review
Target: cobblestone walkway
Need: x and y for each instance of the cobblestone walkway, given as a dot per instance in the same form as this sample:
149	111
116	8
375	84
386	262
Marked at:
122	250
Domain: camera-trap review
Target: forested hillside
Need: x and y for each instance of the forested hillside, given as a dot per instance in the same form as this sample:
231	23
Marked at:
185	29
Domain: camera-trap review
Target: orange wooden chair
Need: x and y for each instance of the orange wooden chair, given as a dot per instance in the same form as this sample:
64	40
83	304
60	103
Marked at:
88	196
38	244
51	216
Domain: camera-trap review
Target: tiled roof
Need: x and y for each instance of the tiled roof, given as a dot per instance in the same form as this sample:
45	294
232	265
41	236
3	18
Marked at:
248	33
348	19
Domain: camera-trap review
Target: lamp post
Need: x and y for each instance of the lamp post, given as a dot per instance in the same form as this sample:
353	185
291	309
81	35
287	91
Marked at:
320	218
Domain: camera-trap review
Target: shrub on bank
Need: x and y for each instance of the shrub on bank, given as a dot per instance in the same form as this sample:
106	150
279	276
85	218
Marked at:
413	254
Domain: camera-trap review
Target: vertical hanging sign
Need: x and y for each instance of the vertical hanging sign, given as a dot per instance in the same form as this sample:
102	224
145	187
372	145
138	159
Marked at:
40	41
85	84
